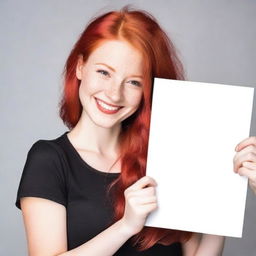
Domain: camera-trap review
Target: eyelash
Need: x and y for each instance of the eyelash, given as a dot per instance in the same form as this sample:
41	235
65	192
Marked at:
106	73
103	72
137	83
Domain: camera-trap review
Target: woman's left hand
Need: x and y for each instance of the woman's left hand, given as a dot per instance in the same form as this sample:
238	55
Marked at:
245	160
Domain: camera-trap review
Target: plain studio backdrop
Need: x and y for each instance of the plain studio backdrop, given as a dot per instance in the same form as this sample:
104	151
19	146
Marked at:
216	41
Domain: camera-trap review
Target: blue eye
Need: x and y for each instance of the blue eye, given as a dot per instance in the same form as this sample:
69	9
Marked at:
103	72
136	83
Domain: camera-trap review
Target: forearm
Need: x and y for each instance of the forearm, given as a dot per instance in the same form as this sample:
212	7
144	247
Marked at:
104	244
210	245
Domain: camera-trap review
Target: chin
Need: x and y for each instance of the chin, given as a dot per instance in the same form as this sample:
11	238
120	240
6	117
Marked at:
106	125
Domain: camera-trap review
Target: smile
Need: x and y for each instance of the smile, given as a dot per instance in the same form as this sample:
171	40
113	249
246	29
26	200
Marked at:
107	108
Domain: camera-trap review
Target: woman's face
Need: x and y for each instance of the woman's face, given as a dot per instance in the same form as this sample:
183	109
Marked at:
111	83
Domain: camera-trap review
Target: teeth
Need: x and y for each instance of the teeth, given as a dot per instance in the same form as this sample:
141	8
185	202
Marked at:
107	106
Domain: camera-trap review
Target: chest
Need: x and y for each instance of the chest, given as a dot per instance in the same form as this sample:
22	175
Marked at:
89	207
101	163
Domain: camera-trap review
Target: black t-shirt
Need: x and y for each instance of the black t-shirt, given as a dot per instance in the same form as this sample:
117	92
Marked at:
54	170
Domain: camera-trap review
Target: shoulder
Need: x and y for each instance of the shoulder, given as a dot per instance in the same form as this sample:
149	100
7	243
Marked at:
45	173
46	150
46	157
43	146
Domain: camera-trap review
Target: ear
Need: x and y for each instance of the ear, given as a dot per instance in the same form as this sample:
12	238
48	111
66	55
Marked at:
79	67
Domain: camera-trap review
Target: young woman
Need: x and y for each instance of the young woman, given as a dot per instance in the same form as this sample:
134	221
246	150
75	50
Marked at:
85	192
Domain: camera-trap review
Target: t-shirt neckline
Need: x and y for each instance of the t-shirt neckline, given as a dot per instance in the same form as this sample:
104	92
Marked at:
70	145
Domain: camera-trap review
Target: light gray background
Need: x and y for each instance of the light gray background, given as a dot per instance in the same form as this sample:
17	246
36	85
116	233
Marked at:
216	42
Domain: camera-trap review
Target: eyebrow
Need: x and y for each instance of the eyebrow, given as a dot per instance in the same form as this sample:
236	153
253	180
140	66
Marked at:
104	64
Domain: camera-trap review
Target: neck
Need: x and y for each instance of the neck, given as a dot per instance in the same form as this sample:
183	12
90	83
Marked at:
87	135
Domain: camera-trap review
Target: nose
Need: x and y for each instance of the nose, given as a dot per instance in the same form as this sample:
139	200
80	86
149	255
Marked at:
114	91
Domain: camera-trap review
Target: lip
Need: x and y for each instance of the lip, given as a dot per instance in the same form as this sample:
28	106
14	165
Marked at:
104	110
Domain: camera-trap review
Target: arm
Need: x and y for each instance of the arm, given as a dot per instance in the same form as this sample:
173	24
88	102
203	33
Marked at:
45	224
204	244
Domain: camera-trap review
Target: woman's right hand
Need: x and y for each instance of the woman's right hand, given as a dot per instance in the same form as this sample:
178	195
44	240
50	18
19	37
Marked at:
140	200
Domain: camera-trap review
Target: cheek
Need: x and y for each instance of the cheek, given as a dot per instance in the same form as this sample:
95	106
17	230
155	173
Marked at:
85	91
88	86
135	100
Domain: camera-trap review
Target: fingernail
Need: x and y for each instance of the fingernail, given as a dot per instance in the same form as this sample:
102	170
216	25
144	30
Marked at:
236	148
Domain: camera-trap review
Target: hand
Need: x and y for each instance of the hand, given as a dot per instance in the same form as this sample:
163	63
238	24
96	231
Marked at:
140	200
245	160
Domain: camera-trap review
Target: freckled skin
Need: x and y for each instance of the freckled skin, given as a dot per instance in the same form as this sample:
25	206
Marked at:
111	74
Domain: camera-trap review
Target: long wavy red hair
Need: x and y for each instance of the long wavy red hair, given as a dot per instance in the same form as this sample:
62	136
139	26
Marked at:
142	31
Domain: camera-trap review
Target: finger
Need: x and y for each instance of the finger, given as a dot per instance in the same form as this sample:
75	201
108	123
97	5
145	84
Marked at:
143	182
147	208
148	191
243	157
251	175
247	149
149	200
244	151
143	200
248	141
249	165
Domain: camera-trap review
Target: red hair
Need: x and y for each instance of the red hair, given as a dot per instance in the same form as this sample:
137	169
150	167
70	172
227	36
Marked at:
142	31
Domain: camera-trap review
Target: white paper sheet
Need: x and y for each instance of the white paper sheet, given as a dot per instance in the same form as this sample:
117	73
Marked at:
194	130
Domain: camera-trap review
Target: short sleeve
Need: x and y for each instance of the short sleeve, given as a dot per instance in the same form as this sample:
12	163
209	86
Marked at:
43	175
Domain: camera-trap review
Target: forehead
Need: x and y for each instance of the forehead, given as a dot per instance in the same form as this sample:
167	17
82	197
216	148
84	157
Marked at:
118	54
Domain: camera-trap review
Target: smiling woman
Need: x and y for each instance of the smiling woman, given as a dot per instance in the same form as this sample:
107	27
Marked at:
85	192
108	84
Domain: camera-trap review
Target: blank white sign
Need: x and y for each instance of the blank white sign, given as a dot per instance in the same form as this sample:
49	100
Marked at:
194	130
